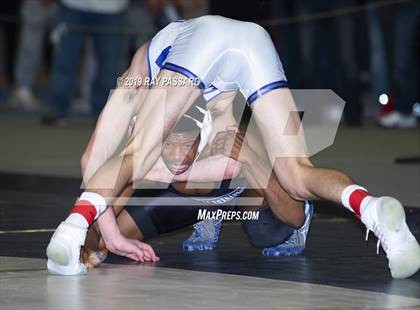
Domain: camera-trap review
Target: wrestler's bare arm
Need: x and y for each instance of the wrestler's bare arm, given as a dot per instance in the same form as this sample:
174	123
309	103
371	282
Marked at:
115	118
211	169
208	167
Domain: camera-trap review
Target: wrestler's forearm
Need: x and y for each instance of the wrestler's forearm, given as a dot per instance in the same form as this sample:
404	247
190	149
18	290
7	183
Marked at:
108	227
116	116
94	235
211	169
261	176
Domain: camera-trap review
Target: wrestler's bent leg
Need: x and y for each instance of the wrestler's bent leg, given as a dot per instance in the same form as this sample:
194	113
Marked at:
384	216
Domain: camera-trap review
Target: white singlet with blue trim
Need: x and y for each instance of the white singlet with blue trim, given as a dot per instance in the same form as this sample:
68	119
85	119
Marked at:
224	54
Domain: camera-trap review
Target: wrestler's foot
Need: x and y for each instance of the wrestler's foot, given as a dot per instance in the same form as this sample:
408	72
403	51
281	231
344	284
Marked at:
93	258
296	242
205	236
63	251
385	216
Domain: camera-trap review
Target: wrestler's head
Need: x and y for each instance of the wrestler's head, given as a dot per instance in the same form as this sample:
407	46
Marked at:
180	148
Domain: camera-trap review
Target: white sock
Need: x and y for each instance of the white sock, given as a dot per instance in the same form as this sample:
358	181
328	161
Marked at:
78	220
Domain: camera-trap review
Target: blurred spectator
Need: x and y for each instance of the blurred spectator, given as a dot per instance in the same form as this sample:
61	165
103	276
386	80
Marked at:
349	81
285	37
77	20
8	35
139	18
194	8
146	17
329	54
407	63
164	12
318	46
36	16
82	104
379	62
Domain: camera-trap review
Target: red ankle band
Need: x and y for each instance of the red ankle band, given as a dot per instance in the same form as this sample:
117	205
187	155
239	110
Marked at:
85	209
356	199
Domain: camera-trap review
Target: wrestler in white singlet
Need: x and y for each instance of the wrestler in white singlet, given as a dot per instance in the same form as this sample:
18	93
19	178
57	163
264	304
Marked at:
224	54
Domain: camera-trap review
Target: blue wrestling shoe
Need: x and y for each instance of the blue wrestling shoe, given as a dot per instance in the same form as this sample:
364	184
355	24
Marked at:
296	242
205	236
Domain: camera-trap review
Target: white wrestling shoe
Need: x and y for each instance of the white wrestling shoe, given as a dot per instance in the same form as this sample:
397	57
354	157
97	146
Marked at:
385	216
63	251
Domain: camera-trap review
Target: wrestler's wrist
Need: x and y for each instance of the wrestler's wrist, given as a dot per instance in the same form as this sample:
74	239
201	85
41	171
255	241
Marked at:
108	227
112	241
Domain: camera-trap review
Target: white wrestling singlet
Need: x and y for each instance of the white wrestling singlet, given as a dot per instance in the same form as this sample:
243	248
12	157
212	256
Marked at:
224	54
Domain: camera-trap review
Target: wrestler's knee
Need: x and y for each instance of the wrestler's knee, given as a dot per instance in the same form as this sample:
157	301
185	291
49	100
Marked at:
292	176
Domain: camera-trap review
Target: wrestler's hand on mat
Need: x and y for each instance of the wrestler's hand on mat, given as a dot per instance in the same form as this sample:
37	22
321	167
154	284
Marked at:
131	248
232	143
116	243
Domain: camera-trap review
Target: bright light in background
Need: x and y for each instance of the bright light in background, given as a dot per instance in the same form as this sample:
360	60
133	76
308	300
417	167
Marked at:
416	109
383	99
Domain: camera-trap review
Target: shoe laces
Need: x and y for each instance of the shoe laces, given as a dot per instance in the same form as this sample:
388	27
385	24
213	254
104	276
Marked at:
380	235
207	230
298	237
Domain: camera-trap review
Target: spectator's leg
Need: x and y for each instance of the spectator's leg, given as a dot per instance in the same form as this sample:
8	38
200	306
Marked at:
406	57
87	75
307	32
108	51
65	63
348	80
286	41
317	41
9	31
34	18
378	56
